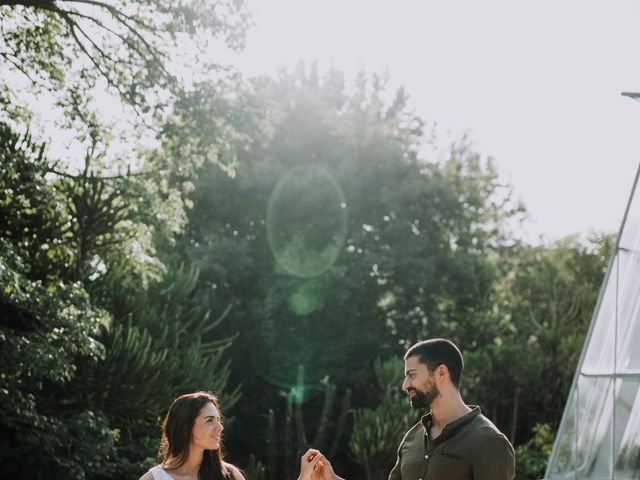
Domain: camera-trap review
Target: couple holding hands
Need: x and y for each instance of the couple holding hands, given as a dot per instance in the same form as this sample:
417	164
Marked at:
454	441
314	466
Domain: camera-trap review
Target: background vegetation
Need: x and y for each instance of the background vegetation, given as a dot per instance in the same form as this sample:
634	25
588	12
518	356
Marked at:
280	242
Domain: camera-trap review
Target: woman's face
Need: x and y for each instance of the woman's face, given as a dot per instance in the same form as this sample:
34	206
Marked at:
207	428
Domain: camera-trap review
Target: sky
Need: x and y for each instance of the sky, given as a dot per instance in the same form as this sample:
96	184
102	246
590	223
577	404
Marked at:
537	86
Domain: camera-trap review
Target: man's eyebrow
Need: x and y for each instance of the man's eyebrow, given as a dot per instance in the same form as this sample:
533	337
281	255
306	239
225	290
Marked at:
410	370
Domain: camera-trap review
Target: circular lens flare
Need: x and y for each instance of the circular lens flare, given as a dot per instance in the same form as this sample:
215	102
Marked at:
306	221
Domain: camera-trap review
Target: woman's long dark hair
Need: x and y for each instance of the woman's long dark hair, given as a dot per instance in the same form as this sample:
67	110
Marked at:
176	437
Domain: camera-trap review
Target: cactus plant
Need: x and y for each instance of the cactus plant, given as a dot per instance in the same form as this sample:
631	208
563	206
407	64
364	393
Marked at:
295	440
377	432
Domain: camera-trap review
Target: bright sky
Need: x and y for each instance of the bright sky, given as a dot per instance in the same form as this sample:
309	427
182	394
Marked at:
537	84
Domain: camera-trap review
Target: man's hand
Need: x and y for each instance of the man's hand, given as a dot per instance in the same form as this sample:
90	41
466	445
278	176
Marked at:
315	466
309	464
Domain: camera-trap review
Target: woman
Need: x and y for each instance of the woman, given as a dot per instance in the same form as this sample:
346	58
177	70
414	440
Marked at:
190	447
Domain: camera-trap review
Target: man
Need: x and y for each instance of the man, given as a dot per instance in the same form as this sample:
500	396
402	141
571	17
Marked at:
453	441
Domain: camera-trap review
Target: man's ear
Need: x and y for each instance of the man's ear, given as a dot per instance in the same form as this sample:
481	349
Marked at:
442	373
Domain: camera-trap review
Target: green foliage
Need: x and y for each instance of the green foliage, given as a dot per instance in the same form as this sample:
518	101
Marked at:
125	44
628	459
254	470
214	123
161	343
97	337
122	289
377	432
165	343
32	216
540	312
532	457
420	254
48	328
296	441
412	243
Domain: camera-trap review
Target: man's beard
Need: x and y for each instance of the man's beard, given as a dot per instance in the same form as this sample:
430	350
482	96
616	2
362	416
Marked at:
424	399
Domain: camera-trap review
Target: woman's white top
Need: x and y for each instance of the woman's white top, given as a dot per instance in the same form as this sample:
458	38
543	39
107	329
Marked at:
159	474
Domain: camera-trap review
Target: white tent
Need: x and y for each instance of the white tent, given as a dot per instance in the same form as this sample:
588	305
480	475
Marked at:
599	435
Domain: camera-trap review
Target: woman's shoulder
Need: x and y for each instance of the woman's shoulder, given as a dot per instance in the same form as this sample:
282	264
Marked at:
147	476
236	473
155	473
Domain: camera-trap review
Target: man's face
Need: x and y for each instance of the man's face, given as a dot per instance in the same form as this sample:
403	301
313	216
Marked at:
419	383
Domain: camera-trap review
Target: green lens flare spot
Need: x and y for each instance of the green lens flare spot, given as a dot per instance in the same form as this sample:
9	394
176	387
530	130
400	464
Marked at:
306	222
307	298
299	393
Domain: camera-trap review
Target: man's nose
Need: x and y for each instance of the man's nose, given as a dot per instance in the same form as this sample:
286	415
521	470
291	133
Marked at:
405	384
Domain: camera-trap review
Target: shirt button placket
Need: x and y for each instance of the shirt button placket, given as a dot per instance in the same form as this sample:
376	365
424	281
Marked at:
426	465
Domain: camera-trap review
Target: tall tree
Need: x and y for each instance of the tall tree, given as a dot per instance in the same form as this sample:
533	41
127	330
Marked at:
530	338
98	334
48	325
337	243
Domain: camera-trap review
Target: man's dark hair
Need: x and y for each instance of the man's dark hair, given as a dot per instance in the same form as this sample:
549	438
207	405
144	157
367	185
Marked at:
436	352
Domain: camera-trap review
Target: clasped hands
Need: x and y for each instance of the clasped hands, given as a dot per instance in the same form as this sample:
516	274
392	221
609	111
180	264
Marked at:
315	466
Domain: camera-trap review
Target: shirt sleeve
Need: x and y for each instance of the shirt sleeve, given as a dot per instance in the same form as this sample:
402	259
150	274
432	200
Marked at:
495	461
396	472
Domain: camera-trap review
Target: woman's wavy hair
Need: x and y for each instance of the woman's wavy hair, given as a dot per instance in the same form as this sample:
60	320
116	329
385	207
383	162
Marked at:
177	429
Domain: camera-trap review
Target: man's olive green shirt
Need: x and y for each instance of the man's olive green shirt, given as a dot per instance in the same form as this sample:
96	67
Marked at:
470	447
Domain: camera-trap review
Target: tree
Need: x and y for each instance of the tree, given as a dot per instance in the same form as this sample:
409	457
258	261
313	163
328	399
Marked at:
376	431
73	44
48	325
530	339
97	334
85	285
335	241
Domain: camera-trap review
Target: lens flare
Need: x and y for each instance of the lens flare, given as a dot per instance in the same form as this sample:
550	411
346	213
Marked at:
306	221
307	298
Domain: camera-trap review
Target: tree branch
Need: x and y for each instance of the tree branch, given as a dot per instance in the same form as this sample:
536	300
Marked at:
75	24
7	57
105	74
114	177
115	13
150	49
124	39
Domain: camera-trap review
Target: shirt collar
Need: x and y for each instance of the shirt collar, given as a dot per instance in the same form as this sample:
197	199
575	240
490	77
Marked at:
449	428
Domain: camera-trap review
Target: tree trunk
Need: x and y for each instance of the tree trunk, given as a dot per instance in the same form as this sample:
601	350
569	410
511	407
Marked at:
514	417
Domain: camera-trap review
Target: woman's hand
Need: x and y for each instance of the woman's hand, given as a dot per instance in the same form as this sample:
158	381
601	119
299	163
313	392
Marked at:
309	465
315	466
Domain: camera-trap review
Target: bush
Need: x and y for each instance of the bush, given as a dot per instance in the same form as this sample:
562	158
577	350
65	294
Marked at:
532	457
